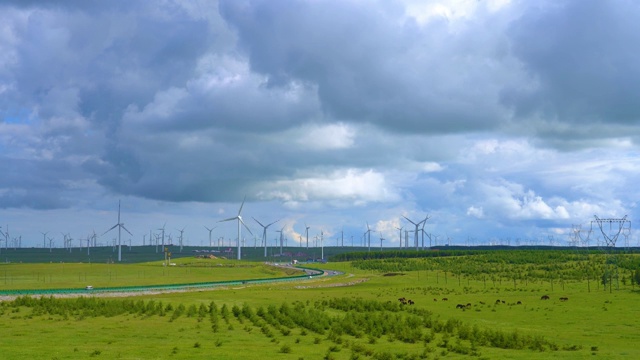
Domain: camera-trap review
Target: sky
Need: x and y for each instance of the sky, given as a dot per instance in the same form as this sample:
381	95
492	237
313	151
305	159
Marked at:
503	122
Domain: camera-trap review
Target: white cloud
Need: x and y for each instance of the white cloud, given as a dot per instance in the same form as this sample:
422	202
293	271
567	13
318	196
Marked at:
327	137
354	186
475	212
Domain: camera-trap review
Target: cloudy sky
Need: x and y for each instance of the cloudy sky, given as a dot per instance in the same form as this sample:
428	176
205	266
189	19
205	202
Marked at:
503	121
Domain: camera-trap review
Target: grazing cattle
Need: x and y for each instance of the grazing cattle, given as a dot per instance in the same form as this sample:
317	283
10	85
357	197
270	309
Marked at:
498	301
468	305
481	302
503	301
519	303
445	299
435	299
564	298
410	302
460	306
544	297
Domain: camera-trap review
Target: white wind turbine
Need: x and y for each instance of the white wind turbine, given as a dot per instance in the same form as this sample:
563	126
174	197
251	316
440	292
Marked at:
239	219
120	226
307	230
281	238
44	239
400	236
180	238
264	233
416	232
210	230
368	234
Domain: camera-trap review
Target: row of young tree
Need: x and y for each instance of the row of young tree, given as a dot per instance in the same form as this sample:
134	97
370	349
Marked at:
344	321
517	265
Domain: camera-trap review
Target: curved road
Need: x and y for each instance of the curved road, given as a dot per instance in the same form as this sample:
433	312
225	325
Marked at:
309	273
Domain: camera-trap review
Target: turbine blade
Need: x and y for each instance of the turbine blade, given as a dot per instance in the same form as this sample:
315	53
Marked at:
258	222
245	226
409	220
229	219
241	205
125	229
113	227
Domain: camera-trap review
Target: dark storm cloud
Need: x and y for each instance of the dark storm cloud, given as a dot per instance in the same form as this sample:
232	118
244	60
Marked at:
582	59
36	184
370	64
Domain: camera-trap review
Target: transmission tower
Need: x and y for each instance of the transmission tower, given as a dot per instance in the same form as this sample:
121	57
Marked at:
616	227
611	236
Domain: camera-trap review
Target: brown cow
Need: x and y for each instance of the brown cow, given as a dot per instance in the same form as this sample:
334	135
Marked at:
544	297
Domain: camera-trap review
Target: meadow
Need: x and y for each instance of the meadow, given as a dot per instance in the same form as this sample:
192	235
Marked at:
493	310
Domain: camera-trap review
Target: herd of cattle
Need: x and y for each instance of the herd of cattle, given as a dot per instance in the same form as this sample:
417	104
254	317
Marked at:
405	301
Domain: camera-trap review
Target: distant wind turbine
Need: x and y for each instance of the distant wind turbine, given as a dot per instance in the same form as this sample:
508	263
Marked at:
368	234
281	238
120	226
210	230
239	219
264	233
181	231
400	235
44	239
416	232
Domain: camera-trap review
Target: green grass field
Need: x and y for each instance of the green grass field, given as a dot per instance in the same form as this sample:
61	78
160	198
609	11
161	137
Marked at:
351	316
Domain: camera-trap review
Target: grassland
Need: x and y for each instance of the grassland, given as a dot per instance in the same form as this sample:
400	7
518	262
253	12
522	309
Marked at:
350	316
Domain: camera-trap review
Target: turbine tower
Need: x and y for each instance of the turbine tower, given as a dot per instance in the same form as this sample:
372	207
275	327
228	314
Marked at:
44	239
264	233
281	239
120	226
162	228
368	235
210	230
307	230
181	231
239	219
400	236
416	234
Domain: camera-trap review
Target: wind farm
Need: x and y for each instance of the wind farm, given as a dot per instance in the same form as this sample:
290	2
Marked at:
319	179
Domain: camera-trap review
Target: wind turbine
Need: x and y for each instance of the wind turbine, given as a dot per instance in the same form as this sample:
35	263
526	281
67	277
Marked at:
181	231
368	233
239	219
381	240
162	228
120	226
280	239
307	230
417	225
264	233
400	236
44	239
210	230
